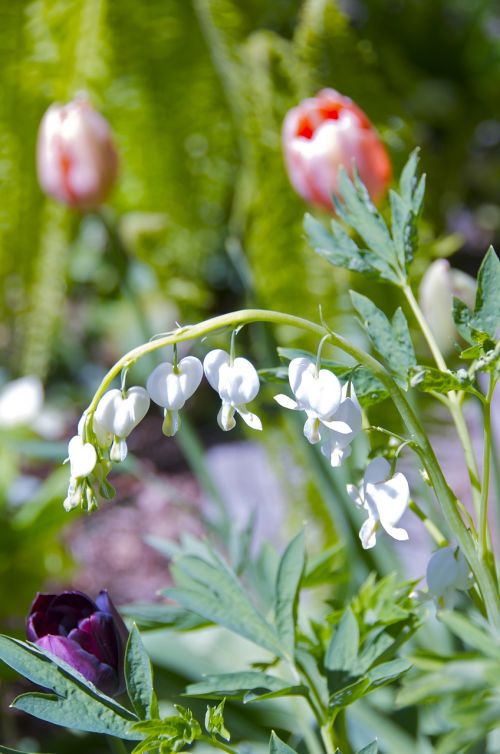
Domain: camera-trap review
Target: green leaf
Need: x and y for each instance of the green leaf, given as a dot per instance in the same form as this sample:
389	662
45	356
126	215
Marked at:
342	651
391	340
214	721
237	686
388	672
350	693
158	616
288	579
76	703
212	590
471	634
277	746
462	319
486	317
430	379
139	677
370	749
336	247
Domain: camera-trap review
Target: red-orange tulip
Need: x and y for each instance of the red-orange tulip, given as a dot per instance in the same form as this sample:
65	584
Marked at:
324	133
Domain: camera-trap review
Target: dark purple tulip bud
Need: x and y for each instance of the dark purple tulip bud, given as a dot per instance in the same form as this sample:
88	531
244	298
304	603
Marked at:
89	636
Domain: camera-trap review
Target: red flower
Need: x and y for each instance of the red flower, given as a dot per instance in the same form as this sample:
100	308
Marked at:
324	133
76	158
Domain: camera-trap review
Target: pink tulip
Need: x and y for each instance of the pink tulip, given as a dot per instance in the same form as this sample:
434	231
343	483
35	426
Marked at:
324	133
76	158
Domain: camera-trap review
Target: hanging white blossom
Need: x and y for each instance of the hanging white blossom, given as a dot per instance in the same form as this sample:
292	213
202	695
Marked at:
82	460
20	401
317	392
448	571
171	385
117	414
337	437
237	382
384	498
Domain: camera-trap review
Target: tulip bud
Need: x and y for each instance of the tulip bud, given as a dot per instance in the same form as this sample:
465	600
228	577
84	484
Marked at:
76	159
89	636
325	133
437	289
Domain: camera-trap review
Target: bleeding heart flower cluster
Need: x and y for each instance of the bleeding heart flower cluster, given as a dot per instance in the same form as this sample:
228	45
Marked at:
102	441
333	420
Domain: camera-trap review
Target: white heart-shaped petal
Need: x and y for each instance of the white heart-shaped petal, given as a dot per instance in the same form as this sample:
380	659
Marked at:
390	498
298	370
212	364
118	414
239	383
82	457
171	388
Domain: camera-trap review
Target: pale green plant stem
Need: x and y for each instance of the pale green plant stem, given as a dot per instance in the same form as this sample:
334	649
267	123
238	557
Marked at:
453	402
483	515
420	441
431	527
216	744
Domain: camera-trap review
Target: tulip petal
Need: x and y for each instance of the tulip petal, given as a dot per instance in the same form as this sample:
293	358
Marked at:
100	674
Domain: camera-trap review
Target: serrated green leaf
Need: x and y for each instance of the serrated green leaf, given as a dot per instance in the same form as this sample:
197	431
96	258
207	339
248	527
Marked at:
486	317
236	685
430	379
391	340
139	677
212	590
277	746
462	319
342	651
408	180
403	226
288	579
336	247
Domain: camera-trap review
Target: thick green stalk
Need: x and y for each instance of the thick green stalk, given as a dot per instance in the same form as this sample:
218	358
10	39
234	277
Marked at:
483	514
446	497
452	402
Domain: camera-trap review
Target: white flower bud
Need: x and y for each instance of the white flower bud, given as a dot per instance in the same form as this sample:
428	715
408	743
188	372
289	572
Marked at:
237	383
448	571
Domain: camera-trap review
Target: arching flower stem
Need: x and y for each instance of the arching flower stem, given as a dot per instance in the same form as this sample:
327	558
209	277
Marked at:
445	495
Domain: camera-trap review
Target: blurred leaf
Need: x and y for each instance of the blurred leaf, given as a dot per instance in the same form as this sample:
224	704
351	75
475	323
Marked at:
288	579
277	746
486	317
343	648
237	685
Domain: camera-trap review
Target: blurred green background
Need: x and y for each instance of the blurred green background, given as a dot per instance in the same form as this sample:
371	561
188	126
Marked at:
196	91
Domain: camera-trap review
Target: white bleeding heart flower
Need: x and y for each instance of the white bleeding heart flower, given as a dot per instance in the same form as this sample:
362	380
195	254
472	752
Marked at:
82	461
342	429
237	382
103	437
448	571
20	401
384	498
117	414
317	392
171	385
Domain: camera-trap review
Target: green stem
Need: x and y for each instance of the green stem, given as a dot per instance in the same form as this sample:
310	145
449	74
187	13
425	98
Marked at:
328	738
431	527
452	402
483	516
216	744
444	494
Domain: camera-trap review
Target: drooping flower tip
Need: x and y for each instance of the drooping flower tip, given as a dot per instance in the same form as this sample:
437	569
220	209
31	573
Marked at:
89	636
76	158
323	134
116	415
385	498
